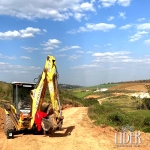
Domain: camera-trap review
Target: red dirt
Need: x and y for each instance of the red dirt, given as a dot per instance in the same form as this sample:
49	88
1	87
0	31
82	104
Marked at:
130	86
92	96
1	118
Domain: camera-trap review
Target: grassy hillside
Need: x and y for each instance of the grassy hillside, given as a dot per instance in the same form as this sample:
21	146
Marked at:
5	91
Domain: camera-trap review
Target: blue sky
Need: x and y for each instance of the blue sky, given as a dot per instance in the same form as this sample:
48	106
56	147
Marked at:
94	42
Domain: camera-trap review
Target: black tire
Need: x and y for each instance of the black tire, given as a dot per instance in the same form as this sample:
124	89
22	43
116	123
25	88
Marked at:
8	125
60	125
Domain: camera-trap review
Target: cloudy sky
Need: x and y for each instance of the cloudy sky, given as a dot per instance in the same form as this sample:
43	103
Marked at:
93	41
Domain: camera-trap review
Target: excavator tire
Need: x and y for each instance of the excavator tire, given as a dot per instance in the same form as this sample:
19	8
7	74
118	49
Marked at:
60	125
8	125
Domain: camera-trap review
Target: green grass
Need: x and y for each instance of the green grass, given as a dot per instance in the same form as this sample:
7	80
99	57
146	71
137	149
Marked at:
103	86
124	102
82	94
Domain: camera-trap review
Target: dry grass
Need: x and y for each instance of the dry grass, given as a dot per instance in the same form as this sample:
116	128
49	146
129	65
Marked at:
130	86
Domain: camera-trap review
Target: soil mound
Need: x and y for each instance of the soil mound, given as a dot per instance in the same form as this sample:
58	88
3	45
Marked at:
1	118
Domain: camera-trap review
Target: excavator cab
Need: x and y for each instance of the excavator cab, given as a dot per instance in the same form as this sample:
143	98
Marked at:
21	96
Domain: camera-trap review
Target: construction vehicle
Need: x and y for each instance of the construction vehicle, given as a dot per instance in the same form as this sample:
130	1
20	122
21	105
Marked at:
28	99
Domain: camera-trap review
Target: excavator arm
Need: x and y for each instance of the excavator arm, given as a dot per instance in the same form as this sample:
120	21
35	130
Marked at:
48	78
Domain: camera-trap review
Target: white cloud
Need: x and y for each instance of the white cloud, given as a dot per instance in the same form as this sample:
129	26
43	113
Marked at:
87	66
69	48
100	26
127	26
3	64
24	33
51	44
74	57
44	30
14	71
75	47
99	6
47	52
87	6
7	57
110	54
140	19
108	44
93	27
144	26
137	36
147	42
78	16
98	46
24	57
89	52
124	2
118	57
133	60
110	18
7	66
107	3
56	10
9	35
61	55
30	49
116	68
30	30
122	15
80	52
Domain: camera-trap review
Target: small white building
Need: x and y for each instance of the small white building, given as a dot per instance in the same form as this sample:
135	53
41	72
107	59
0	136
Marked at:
87	90
103	89
141	95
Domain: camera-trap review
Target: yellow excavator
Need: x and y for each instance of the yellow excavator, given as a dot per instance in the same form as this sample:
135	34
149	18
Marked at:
22	114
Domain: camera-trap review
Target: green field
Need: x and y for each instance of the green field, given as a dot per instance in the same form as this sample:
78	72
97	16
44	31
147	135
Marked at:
82	94
103	86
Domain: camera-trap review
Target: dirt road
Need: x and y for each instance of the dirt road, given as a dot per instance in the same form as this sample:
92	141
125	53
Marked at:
78	133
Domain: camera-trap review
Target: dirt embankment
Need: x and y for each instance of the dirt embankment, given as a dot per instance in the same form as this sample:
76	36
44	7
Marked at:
78	133
1	118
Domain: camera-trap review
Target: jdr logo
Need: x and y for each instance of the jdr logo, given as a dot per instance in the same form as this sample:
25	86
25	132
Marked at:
128	137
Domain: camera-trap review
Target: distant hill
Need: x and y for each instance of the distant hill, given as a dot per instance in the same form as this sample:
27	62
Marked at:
134	81
68	86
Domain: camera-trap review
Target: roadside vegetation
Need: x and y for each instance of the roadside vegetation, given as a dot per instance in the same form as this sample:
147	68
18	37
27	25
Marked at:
120	111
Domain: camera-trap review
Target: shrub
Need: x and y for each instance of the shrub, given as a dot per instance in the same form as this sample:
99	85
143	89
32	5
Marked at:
116	117
89	102
147	121
145	103
147	129
6	98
